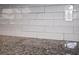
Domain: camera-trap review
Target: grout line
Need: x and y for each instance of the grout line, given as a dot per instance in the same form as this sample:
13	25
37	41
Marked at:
38	12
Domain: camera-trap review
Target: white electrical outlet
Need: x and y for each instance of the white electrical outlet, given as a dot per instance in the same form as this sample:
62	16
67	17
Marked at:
69	13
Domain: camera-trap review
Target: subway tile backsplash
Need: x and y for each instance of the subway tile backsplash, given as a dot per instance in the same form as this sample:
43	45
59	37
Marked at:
39	21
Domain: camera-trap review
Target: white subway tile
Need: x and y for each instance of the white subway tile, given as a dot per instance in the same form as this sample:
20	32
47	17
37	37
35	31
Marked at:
54	16
54	9
71	37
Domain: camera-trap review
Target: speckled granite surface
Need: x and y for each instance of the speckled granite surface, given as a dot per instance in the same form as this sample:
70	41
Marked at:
32	46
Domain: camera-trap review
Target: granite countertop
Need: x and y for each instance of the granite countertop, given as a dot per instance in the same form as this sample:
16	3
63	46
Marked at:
10	45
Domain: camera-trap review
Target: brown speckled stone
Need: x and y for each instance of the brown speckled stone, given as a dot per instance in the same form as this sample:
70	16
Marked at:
10	45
